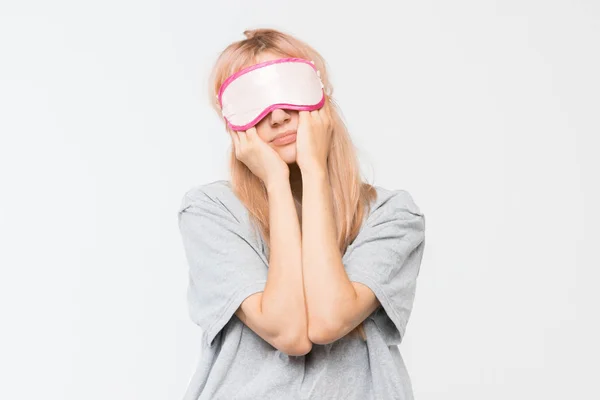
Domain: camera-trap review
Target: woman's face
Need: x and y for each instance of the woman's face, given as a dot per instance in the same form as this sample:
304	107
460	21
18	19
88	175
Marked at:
278	121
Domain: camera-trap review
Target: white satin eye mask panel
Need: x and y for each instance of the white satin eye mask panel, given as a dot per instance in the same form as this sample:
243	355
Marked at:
289	83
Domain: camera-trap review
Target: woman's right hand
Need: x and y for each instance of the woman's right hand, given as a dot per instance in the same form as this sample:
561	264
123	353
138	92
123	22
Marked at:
259	157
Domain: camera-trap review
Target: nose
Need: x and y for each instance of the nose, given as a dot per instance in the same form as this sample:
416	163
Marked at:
279	117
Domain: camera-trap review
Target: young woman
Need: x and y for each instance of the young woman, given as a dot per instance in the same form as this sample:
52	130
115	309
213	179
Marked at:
301	275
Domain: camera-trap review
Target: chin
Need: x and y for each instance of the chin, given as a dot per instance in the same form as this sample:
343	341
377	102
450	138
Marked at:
288	154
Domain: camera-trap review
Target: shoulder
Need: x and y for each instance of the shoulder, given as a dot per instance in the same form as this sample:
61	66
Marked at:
215	191
215	205
215	199
391	201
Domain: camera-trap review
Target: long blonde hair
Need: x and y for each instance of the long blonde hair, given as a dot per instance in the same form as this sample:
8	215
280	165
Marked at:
351	195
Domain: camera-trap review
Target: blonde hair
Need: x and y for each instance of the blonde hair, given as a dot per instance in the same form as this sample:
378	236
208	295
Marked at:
351	196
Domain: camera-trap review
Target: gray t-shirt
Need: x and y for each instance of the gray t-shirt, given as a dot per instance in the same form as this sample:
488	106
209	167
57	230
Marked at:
228	261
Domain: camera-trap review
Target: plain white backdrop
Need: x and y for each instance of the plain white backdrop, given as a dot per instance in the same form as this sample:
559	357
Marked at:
485	111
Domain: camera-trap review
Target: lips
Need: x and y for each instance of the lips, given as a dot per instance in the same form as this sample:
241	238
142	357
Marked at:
287	133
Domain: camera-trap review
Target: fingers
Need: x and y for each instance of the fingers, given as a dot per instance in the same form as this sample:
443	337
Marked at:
251	134
240	141
309	117
324	114
235	139
243	138
303	117
315	116
321	117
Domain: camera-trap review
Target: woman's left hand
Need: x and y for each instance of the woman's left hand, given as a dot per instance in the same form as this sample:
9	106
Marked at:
313	139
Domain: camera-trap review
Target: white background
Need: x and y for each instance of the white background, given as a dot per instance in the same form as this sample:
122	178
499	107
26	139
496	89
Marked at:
486	112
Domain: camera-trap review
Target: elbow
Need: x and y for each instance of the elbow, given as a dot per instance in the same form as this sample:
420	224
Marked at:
322	337
323	333
298	345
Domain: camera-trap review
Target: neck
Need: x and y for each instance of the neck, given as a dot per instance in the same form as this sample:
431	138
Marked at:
296	181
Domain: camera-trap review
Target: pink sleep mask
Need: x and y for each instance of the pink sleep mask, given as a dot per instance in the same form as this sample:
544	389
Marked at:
249	95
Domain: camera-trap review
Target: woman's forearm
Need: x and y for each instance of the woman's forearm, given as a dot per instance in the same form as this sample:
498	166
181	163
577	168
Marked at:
283	298
327	287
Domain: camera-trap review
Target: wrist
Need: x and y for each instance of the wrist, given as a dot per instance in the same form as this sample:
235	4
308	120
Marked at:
277	183
314	172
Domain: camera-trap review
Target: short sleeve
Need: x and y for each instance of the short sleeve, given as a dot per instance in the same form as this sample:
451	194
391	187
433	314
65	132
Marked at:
386	256
225	262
